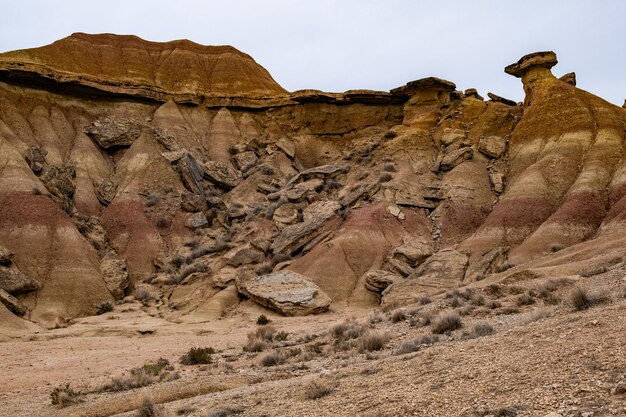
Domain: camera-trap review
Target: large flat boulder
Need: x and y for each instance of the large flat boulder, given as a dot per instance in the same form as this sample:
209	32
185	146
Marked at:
114	131
14	282
442	271
287	292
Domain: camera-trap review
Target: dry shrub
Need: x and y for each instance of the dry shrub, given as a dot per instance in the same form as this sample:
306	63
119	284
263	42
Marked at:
148	374
376	317
226	412
539	314
260	339
262	320
390	167
582	299
317	388
482	329
347	331
415	344
198	356
372	341
143	294
447	322
525	300
273	359
65	396
398	315
423	300
149	409
104	307
385	177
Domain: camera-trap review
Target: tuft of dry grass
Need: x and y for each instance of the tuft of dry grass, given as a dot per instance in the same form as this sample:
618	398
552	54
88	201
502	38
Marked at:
398	315
148	374
273	359
149	409
317	388
582	299
415	344
372	341
104	307
64	396
447	322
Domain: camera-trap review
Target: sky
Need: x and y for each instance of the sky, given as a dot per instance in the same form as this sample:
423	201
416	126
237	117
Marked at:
337	45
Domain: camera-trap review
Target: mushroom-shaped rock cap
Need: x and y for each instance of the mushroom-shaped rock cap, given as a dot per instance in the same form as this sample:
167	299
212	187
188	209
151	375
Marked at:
430	83
546	59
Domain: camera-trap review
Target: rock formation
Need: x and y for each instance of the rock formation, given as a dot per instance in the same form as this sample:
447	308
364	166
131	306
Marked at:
188	170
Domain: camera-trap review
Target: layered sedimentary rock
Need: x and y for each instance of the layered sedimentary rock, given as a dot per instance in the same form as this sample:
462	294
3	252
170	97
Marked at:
185	169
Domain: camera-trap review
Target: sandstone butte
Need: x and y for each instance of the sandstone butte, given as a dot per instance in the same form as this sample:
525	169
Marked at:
181	173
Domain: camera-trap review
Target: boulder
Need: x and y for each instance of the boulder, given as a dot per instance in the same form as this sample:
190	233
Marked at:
378	280
324	171
286	146
14	282
245	256
36	157
299	191
413	251
295	236
287	292
115	274
191	173
569	78
497	181
492	146
60	180
245	160
165	139
105	191
173	156
114	131
286	214
6	256
221	173
192	202
400	267
13	304
472	92
489	263
442	271
499	99
450	136
196	221
545	59
454	158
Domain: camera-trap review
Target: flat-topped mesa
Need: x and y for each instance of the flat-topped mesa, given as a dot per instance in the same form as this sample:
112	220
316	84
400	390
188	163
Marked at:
180	70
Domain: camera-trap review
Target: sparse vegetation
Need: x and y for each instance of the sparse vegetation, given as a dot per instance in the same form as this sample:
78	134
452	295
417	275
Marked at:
398	315
447	322
262	320
148	374
163	222
555	247
185	272
385	177
525	300
273	359
219	246
316	388
482	329
198	356
104	307
149	409
372	341
581	299
415	344
390	167
143	294
152	200
226	412
260	339
65	396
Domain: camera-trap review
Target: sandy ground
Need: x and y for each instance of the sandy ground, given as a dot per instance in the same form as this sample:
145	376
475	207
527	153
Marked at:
568	362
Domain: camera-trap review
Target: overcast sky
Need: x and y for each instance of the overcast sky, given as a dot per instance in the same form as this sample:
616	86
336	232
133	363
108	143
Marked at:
336	45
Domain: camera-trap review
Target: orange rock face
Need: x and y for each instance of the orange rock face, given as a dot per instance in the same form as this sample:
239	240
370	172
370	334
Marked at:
111	145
